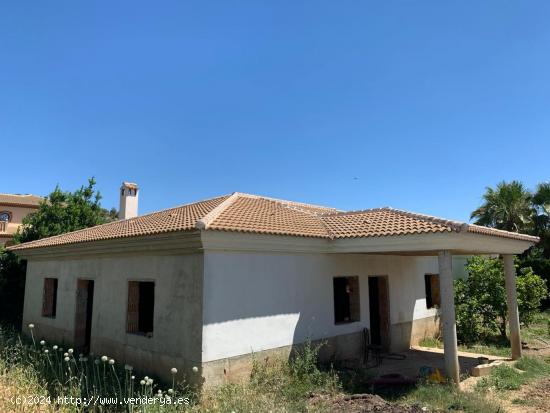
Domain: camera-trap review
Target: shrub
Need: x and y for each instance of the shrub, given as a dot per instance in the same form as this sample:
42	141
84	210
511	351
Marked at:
480	299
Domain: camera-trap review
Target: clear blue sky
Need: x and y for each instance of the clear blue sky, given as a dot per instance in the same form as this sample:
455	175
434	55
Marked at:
417	105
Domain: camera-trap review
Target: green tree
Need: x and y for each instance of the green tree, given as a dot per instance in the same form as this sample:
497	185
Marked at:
541	219
63	212
480	299
59	213
508	207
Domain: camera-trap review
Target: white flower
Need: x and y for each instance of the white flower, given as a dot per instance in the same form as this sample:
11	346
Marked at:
111	362
42	343
128	367
65	354
133	377
70	351
31	326
146	378
142	382
54	347
150	382
195	369
174	370
46	351
104	359
170	391
160	391
66	359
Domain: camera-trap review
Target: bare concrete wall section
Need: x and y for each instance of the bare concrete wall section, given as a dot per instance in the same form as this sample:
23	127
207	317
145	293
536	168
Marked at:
235	369
177	333
407	334
512	303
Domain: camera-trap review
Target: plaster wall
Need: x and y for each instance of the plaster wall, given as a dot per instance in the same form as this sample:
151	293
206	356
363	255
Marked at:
257	301
176	340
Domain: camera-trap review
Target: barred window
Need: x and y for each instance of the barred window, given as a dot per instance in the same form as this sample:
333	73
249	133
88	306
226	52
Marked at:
49	298
141	305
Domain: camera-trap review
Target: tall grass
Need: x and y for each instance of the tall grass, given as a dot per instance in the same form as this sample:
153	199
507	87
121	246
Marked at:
101	381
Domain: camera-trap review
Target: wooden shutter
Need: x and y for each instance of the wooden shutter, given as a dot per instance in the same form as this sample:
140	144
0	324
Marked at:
434	286
133	307
48	297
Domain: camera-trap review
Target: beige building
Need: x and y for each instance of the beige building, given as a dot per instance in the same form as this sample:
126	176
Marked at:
13	208
206	284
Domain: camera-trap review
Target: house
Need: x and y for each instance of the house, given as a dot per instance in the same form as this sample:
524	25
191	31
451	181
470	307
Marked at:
208	283
13	208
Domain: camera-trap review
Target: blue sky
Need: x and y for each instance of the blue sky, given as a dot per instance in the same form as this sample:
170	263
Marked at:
415	105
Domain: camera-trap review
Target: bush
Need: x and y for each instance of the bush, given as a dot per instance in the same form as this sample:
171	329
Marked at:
480	299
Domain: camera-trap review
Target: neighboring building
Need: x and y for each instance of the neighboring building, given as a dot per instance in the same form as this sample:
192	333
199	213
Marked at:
206	284
13	208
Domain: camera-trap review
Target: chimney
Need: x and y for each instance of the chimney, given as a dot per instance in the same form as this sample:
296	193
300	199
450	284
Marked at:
128	200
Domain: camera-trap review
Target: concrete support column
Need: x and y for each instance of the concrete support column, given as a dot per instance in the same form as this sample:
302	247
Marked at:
512	302
448	319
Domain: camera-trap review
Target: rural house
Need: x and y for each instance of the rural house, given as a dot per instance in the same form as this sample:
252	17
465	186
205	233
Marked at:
205	284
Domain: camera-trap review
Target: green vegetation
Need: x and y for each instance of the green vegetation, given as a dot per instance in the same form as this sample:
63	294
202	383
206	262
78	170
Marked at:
50	370
61	212
480	299
507	377
448	398
498	346
512	207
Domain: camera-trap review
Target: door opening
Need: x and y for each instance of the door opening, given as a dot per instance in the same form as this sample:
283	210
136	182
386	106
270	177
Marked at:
84	311
379	309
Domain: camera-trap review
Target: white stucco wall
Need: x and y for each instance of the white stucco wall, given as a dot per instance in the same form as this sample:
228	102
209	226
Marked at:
259	301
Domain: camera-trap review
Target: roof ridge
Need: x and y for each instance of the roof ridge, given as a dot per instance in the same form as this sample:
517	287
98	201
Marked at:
204	222
455	225
502	231
361	211
30	243
294	204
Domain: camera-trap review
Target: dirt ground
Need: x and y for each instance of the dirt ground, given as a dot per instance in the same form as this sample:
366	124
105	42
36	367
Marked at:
359	403
532	398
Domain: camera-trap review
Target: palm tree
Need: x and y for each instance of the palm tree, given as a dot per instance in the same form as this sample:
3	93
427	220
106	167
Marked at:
541	219
508	207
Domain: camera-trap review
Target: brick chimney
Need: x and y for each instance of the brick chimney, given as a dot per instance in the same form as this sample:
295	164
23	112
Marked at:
128	200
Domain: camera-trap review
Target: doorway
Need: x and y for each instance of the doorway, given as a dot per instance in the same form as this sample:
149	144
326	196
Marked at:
84	312
379	309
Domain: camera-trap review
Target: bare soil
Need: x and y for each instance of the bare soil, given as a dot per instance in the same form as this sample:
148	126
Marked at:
358	403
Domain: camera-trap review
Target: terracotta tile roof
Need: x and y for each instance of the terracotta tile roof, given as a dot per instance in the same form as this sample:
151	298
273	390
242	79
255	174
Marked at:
267	216
181	218
27	200
262	215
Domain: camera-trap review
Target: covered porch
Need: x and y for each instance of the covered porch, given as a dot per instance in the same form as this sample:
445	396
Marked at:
460	240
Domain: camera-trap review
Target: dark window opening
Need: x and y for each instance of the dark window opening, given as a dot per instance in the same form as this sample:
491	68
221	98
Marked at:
431	283
49	298
141	306
346	299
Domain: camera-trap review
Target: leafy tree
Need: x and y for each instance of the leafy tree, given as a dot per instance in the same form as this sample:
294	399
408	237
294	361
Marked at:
507	207
59	213
63	212
481	299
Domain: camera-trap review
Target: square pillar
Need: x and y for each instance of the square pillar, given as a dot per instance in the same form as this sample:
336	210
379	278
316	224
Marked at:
450	347
512	303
